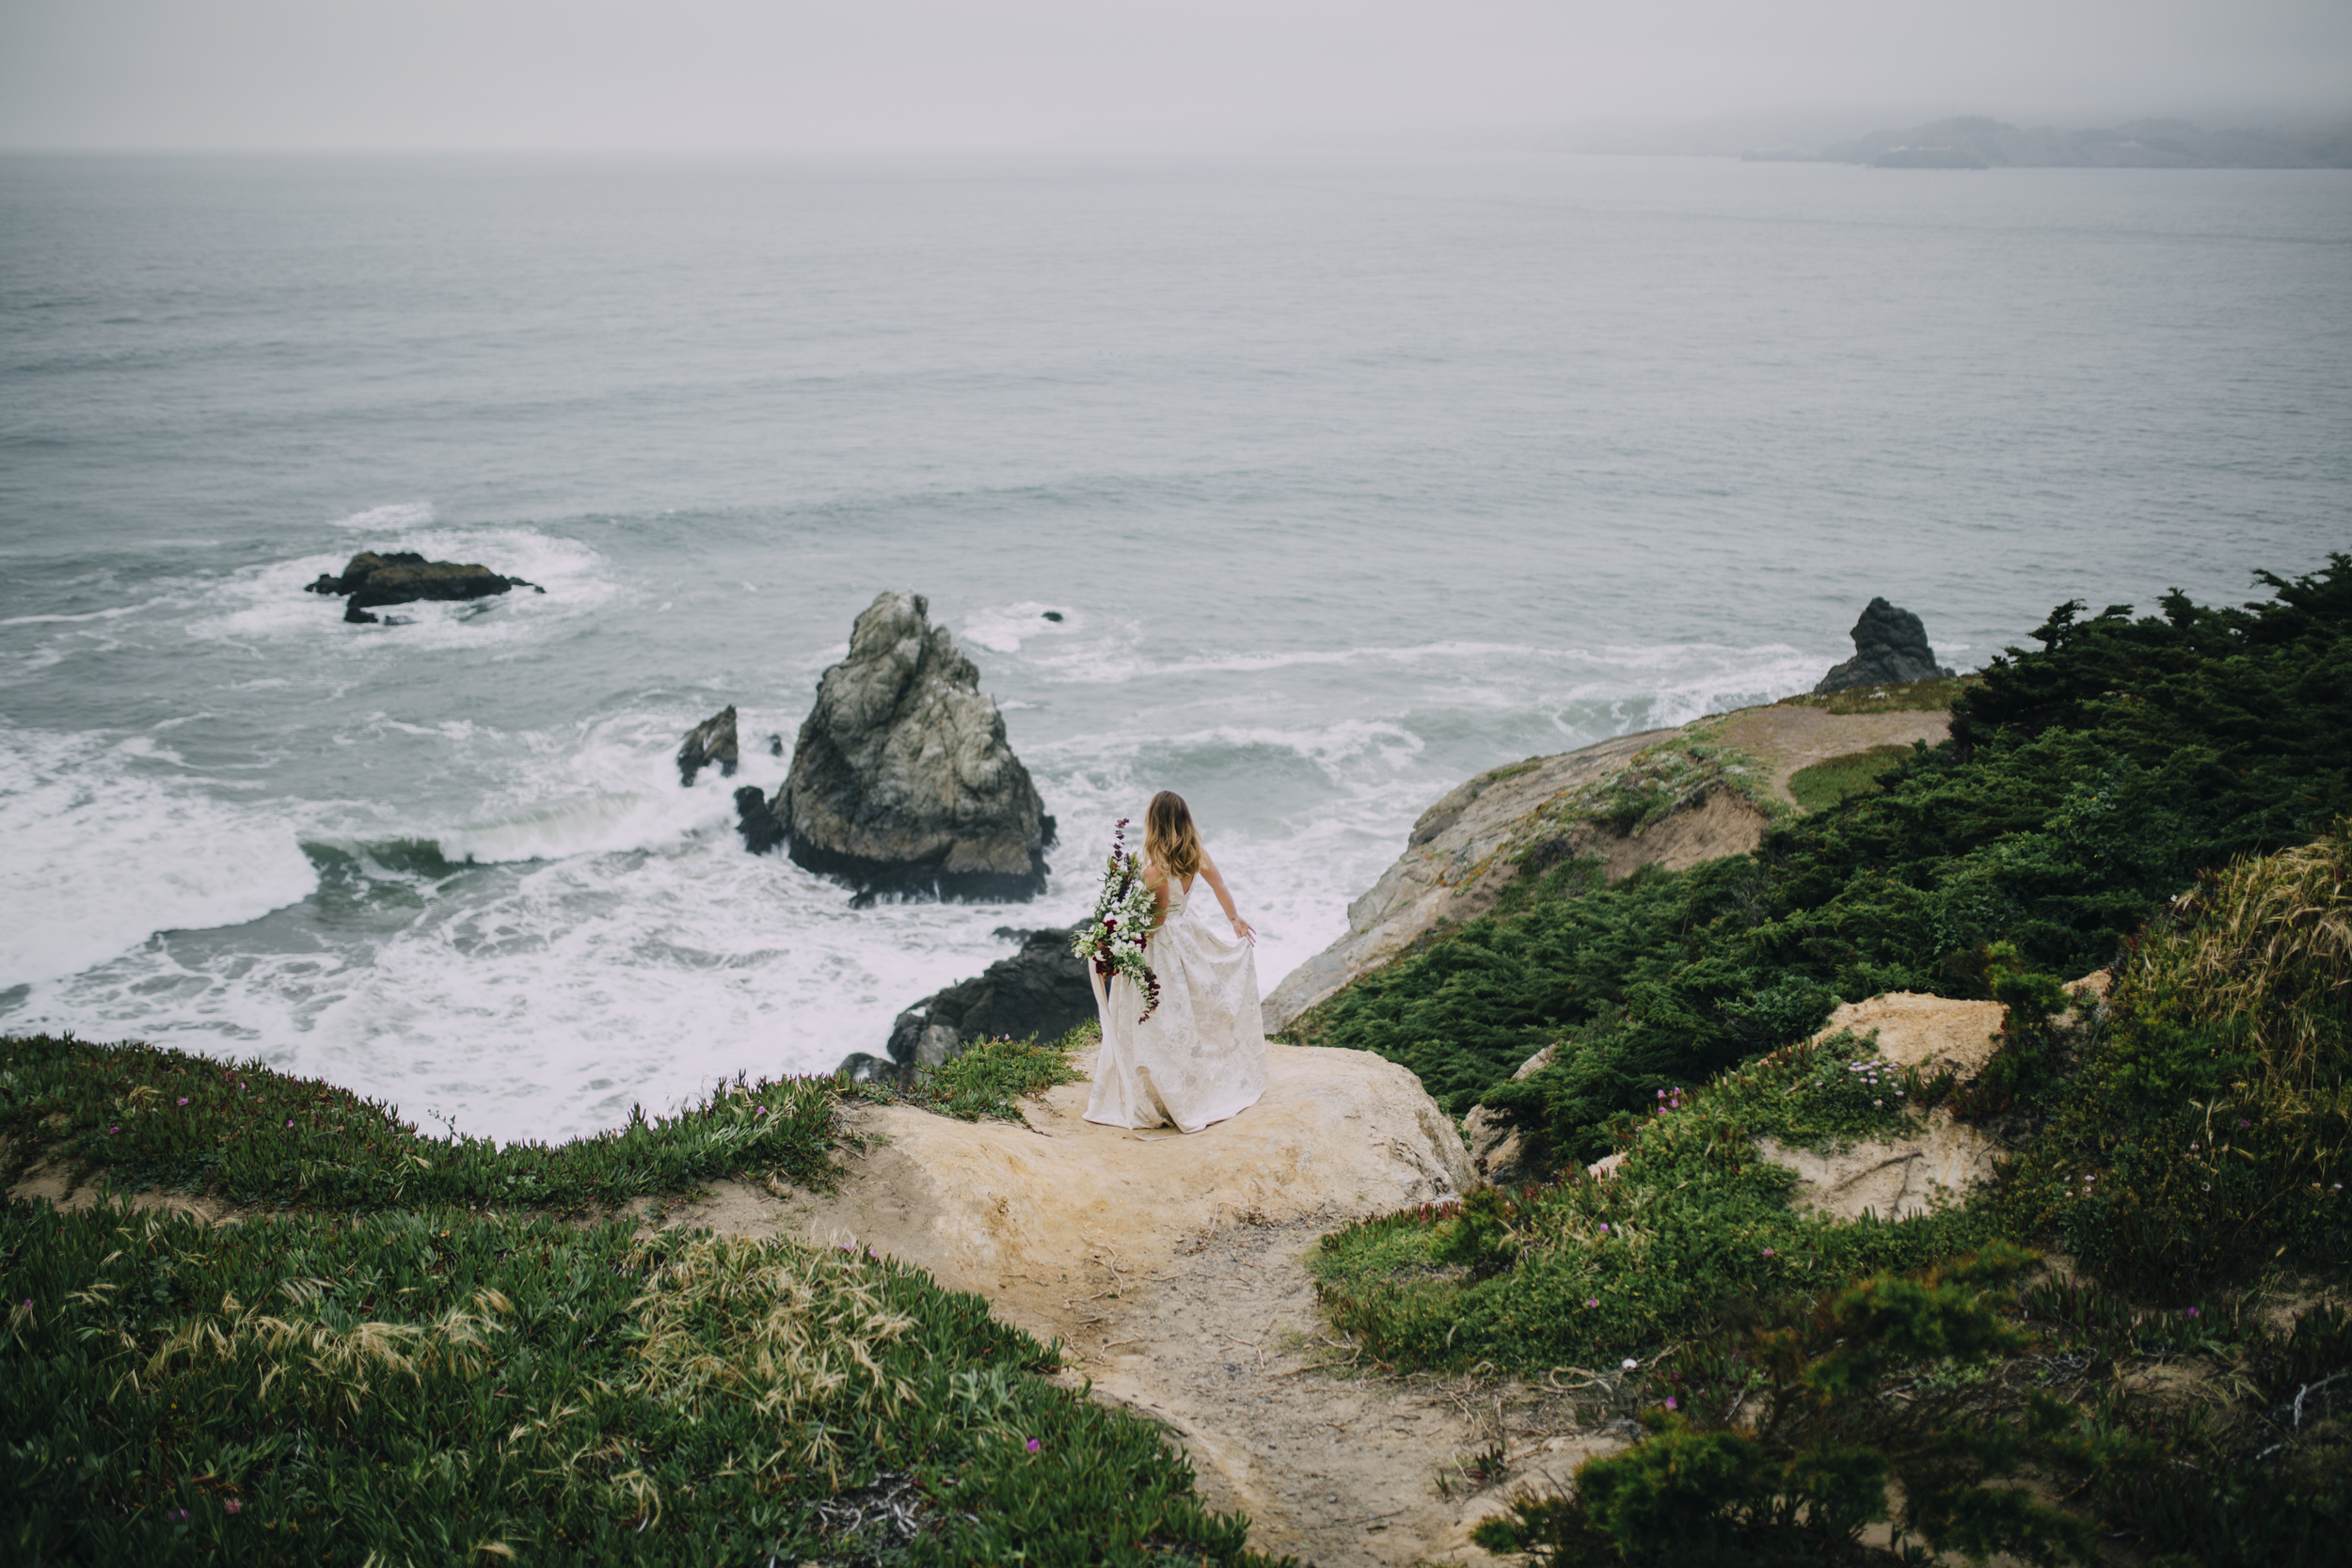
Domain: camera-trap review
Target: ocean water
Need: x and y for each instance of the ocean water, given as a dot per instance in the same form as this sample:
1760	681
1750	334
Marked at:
1349	477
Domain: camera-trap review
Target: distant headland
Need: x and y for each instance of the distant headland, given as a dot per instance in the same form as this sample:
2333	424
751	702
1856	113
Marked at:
1979	141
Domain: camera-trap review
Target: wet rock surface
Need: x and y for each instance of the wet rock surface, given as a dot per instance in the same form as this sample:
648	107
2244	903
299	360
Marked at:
902	782
1041	991
709	744
755	819
372	580
1890	646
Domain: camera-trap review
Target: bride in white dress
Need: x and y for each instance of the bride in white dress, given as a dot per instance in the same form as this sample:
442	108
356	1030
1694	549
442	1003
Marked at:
1200	1056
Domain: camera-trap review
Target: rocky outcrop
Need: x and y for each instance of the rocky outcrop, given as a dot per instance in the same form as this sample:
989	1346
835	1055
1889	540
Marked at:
1913	1029
402	577
755	819
1898	1178
1499	1151
901	779
1041	991
1013	1211
709	744
1890	646
1706	779
1486	833
1895	1178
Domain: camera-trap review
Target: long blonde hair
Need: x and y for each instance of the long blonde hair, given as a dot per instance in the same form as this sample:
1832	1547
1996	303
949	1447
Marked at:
1171	840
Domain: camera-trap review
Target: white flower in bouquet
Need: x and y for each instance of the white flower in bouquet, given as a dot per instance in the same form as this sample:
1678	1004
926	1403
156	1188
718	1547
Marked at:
1113	939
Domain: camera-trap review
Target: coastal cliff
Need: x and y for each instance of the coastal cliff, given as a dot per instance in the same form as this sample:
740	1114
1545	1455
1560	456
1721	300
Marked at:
1672	798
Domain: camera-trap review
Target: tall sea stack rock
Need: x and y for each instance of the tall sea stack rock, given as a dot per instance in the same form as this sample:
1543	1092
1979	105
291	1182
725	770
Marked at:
709	744
902	781
1890	646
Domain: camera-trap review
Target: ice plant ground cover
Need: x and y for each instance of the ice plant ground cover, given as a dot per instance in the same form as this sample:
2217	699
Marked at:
439	1385
1113	941
244	1132
396	1367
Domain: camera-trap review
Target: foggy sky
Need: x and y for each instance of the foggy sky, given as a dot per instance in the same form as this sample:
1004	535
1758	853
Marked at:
787	74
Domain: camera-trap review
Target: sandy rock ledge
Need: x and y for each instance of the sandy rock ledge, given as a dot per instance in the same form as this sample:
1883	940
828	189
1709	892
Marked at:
1021	1214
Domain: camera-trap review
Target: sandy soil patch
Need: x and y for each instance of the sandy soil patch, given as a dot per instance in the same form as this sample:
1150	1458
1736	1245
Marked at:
1787	739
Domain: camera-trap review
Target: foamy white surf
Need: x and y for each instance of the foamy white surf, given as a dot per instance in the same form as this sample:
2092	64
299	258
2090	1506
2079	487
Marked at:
106	848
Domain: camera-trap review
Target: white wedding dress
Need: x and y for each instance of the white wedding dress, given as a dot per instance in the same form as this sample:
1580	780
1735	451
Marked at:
1202	1055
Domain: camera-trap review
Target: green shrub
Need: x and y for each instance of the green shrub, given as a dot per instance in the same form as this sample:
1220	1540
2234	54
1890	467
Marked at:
2087	781
449	1386
1694	1221
1826	784
150	1117
1879	1382
2205	1134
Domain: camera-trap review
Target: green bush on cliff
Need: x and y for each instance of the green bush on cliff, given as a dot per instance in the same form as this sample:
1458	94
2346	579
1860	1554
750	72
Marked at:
1694	1221
446	1386
1881	1381
2208	1129
2085	783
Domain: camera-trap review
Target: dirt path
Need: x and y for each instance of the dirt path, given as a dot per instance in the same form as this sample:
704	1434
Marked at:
1172	1269
1335	1464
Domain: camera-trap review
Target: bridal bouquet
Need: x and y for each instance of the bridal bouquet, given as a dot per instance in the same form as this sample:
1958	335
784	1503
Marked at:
1113	941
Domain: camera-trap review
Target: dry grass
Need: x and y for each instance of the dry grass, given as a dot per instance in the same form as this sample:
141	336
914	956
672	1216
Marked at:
785	1330
2267	940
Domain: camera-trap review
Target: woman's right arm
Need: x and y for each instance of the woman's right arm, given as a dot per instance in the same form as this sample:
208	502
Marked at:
1217	885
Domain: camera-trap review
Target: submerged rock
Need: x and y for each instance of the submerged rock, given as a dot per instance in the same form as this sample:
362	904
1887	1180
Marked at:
404	576
1890	646
1041	991
902	781
709	744
756	820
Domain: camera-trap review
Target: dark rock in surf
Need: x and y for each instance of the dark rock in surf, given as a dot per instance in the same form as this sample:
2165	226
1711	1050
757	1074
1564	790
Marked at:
902	782
709	744
775	745
1052	615
404	576
1890	646
756	820
1041	991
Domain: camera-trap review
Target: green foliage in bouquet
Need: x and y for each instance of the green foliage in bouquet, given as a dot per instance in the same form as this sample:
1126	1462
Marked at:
1113	941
